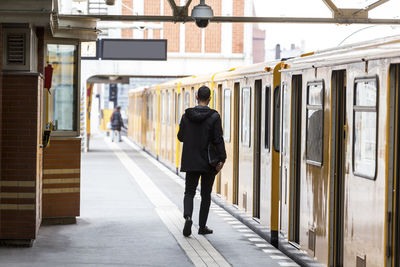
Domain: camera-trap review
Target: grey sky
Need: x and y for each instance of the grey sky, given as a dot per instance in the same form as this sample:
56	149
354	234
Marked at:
322	36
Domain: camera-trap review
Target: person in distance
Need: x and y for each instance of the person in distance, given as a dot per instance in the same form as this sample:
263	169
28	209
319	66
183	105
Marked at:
200	130
116	124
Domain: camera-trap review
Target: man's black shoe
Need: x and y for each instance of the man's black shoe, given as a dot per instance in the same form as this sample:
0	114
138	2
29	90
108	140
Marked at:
187	229
205	231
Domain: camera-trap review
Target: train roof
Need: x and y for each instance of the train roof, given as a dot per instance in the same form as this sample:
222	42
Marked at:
364	51
137	90
245	70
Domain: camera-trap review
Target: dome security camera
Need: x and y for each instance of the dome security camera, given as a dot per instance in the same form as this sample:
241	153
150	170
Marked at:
202	14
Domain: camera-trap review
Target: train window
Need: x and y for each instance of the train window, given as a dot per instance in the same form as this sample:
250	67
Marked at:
285	120
178	119
246	116
277	119
187	100
169	108
267	116
151	107
194	97
162	106
315	123
147	107
215	98
227	115
365	127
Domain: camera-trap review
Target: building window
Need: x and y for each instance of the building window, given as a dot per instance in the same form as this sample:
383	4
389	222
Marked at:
227	115
267	116
64	98
365	127
315	123
246	116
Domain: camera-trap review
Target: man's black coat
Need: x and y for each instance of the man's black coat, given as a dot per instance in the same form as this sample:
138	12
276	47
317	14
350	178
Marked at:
200	126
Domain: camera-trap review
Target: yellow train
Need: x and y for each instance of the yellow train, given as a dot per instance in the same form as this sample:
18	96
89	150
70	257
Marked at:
312	143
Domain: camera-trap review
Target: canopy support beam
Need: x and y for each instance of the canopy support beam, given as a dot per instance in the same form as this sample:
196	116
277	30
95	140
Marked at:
227	19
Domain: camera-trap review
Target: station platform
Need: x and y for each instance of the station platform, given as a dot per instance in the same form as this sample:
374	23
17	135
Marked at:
131	215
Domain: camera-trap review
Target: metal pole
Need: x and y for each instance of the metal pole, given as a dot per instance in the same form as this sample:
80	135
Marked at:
224	19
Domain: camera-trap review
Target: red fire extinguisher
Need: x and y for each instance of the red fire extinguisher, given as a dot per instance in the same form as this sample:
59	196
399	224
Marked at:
48	75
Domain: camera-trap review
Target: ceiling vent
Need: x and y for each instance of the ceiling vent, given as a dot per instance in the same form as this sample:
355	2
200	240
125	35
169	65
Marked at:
19	49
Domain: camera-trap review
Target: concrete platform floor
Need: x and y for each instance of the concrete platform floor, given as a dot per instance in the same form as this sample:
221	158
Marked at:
131	215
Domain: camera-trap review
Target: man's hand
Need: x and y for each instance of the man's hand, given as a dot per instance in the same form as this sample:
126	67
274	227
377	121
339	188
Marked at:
219	166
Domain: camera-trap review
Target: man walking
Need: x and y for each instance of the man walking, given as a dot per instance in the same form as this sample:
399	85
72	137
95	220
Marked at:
116	123
200	127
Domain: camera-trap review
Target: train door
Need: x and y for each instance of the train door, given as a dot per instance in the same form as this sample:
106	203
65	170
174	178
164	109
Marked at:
236	93
218	107
257	148
393	233
295	159
339	127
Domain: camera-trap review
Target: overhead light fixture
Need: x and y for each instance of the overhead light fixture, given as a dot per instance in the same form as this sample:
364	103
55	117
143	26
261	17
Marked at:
202	14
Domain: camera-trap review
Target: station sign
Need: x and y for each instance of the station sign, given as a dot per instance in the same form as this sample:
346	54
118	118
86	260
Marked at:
125	49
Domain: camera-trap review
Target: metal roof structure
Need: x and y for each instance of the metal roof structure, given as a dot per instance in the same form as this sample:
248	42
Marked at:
339	16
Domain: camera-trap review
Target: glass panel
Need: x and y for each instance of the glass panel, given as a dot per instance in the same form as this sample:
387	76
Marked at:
285	122
63	60
169	108
277	119
267	115
194	97
246	102
366	93
179	108
148	107
365	143
314	135
215	99
151	107
227	115
315	94
187	100
162	108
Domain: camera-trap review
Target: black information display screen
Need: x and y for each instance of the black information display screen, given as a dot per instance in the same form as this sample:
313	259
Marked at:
131	49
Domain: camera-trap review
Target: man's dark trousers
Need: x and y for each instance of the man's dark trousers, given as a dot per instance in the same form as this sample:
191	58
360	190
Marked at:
192	180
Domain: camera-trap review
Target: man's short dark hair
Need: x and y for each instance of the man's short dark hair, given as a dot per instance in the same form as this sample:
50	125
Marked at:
204	93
